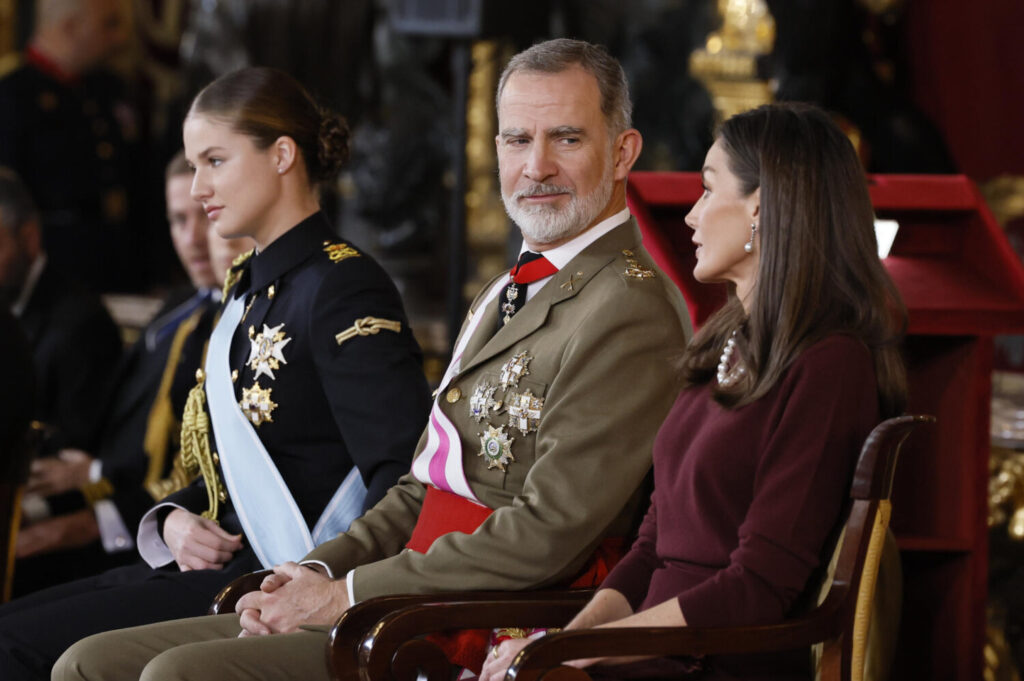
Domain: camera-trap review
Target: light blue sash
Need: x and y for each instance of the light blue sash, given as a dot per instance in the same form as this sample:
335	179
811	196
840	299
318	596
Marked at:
271	519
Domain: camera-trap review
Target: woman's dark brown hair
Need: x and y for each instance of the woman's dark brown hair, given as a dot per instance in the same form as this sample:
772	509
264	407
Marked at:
265	104
819	273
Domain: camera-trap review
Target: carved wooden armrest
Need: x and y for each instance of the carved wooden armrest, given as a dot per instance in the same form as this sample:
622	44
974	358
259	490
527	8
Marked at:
389	648
225	600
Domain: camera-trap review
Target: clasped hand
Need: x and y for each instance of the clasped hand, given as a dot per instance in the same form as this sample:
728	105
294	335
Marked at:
291	597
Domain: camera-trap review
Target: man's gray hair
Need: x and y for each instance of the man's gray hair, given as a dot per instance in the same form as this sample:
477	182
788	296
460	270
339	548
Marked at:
16	204
556	56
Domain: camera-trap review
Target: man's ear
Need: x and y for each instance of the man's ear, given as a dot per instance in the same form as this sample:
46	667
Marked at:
626	151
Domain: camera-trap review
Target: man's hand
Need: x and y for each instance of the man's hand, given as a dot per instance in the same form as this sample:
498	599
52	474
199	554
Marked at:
198	543
52	475
291	597
53	534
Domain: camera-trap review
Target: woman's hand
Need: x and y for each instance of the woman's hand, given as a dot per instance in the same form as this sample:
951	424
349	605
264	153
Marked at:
500	657
198	543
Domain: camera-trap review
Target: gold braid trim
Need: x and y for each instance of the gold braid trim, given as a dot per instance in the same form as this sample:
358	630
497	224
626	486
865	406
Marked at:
162	422
195	446
96	491
234	272
368	326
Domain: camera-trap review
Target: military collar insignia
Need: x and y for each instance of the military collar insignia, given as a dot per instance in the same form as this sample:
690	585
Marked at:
524	411
634	268
514	369
482	404
234	273
257	405
496	448
266	351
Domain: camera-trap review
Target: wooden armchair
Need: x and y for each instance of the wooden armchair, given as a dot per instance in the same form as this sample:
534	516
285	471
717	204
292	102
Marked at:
839	622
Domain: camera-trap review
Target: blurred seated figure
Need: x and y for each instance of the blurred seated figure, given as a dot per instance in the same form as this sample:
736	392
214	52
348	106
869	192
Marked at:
75	344
779	390
128	470
68	130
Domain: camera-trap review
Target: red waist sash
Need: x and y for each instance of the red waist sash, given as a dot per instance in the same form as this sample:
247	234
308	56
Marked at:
444	512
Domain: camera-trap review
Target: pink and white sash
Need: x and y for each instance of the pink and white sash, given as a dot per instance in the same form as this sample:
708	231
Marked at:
440	462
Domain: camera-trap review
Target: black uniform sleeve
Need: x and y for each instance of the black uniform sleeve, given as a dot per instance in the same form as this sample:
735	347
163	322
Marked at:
374	383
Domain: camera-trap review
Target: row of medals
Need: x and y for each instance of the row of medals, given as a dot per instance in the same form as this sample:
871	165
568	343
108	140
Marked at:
522	408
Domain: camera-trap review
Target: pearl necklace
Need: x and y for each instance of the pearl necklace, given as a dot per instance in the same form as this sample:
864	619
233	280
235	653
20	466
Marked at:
725	375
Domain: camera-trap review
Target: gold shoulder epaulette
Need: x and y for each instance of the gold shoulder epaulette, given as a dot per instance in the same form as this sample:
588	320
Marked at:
234	273
633	267
340	251
10	62
368	326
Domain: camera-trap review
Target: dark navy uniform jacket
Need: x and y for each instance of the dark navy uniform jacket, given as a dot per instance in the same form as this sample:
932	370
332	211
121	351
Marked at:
361	402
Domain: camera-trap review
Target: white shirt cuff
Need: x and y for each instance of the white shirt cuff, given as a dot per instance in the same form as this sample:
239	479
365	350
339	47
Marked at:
95	470
151	545
325	566
113	532
349	580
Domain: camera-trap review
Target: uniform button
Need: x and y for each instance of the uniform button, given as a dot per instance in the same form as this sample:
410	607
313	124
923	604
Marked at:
453	395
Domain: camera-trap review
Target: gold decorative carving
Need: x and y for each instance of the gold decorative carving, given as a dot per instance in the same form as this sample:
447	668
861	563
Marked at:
727	64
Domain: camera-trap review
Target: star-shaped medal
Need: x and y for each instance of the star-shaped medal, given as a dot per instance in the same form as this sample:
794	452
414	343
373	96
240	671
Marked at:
266	353
496	448
482	402
257	405
524	411
515	368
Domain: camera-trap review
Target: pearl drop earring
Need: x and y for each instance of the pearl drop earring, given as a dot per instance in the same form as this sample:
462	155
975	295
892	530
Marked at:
749	246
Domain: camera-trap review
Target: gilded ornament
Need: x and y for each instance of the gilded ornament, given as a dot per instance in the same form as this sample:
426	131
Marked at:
496	448
514	369
339	252
453	395
634	268
571	284
482	404
524	411
266	352
257	405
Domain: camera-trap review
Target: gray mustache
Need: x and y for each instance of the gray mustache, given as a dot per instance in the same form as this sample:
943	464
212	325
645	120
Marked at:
539	189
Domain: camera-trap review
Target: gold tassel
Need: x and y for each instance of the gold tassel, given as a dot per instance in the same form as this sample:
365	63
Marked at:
195	446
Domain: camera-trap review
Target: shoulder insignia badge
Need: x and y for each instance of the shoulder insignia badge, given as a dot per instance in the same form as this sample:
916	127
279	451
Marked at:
368	326
257	405
496	448
634	268
524	411
266	351
340	251
514	369
482	404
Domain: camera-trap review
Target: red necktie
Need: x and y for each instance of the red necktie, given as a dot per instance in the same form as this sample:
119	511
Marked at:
530	268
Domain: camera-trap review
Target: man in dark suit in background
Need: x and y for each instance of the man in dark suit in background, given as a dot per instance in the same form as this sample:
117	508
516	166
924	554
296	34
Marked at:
129	468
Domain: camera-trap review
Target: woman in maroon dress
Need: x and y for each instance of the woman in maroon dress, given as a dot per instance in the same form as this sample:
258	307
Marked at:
781	387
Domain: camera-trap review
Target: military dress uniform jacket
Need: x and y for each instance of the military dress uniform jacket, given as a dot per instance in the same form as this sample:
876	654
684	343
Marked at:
598	342
67	141
330	404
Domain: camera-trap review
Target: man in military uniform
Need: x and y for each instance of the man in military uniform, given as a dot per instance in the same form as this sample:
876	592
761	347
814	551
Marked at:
542	429
65	128
140	425
75	344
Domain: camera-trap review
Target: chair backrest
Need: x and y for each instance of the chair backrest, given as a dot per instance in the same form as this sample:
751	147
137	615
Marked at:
851	594
15	457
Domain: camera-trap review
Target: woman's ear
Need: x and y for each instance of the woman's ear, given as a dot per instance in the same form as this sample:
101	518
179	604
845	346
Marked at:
754	205
285	154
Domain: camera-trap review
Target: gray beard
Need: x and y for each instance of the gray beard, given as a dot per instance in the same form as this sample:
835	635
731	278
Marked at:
548	224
